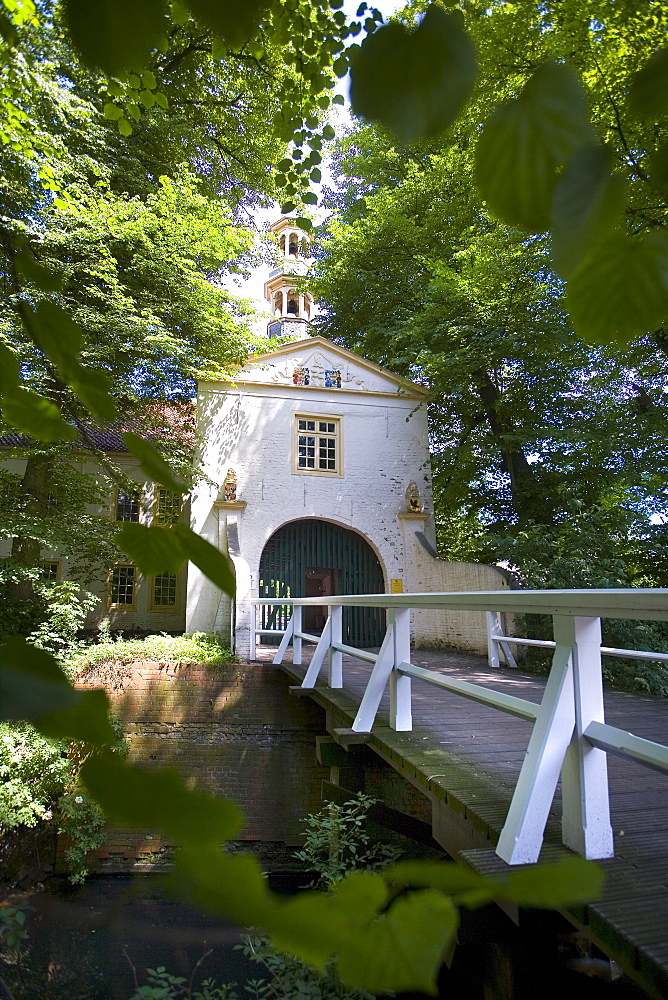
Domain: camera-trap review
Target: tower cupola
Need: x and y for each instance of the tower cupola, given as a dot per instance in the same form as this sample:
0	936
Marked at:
291	306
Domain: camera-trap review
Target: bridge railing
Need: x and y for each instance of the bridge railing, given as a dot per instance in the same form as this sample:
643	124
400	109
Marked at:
570	736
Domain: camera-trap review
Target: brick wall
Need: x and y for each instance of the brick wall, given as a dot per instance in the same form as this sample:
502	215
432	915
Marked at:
231	730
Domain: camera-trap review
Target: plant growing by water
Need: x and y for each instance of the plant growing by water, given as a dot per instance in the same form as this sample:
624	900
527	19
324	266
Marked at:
338	842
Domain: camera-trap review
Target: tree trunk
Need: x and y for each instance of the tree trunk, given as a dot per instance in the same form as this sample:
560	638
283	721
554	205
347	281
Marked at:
529	499
26	551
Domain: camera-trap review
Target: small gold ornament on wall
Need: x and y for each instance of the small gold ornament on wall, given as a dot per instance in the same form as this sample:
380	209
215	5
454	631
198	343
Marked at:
413	502
230	486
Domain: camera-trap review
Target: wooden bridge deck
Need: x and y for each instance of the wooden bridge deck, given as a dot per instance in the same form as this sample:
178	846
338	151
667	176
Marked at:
466	757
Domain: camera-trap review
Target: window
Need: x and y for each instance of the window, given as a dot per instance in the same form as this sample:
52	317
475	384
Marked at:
122	586
317	448
164	592
127	505
167	507
50	570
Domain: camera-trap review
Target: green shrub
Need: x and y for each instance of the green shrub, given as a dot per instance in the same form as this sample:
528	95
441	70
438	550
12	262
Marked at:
201	647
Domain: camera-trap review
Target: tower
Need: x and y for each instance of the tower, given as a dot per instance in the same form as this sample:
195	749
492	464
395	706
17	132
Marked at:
291	307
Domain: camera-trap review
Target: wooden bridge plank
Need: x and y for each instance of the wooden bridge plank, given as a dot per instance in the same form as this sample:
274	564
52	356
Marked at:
468	756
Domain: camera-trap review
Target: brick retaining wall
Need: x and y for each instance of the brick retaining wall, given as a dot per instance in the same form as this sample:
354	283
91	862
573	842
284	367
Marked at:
232	730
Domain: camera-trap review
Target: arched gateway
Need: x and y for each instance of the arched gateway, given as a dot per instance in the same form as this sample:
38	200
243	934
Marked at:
312	557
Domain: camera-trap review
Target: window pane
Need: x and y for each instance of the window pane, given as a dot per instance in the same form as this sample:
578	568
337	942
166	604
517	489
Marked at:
168	510
123	585
164	590
127	505
49	571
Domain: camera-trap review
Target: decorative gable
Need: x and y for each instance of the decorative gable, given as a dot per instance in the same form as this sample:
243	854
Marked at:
318	363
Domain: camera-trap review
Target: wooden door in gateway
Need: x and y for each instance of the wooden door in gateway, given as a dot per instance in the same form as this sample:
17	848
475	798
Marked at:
319	581
310	558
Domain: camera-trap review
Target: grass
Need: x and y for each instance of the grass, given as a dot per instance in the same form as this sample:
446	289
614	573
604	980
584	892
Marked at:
201	647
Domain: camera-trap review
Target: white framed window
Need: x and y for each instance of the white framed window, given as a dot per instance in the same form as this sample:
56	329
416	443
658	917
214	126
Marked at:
168	506
122	587
126	505
317	448
165	592
50	571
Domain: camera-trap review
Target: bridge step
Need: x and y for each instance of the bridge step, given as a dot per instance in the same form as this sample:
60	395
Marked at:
348	737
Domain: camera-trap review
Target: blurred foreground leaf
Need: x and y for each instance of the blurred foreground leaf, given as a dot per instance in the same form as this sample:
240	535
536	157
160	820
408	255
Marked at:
414	83
525	142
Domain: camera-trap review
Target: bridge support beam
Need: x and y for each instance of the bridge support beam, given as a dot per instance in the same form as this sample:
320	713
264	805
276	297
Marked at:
586	826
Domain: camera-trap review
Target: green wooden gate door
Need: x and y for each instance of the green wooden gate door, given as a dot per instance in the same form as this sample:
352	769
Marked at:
310	550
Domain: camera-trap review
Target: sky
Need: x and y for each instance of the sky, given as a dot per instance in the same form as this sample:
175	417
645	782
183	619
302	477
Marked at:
253	287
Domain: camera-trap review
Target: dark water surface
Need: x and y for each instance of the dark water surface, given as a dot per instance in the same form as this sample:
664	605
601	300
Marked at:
96	941
89	942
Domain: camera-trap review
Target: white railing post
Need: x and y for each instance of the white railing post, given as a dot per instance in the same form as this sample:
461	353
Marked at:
400	685
493	629
253	633
318	658
522	834
335	655
586	824
285	641
296	639
382	669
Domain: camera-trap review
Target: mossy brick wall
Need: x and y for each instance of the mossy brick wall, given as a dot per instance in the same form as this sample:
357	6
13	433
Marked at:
231	730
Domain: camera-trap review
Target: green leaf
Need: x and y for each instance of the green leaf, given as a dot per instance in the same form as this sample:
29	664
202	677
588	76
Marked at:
134	82
328	132
589	202
234	886
112	112
658	168
310	198
8	31
340	68
363	894
403	949
338	99
37	273
414	83
86	721
450	877
134	111
92	387
147	98
152	463
316	175
303	223
648	96
132	797
148	79
216	566
311	927
288	207
154	549
621	291
161	100
37	416
235	21
571	880
27	410
124	127
526	141
35	689
60	338
114	35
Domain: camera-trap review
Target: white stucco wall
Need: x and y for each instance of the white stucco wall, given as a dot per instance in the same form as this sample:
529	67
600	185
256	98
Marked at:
249	427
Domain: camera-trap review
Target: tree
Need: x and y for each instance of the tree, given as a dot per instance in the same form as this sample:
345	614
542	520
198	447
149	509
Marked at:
360	921
530	424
